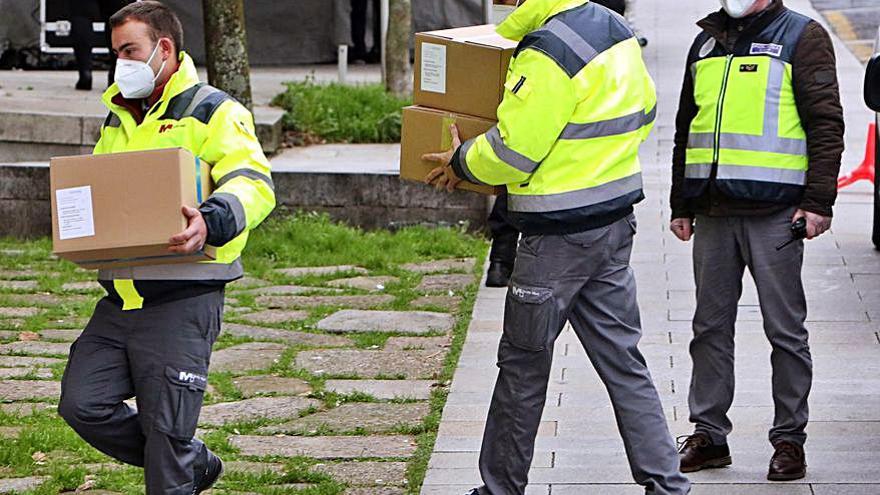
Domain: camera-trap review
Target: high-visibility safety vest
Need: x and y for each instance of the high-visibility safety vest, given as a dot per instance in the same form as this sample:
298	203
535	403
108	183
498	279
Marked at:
747	134
214	127
578	103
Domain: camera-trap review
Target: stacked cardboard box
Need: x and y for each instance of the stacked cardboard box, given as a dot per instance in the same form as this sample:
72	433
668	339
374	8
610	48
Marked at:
121	209
459	78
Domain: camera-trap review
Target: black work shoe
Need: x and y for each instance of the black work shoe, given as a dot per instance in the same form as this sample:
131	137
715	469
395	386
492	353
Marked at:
788	462
84	83
498	274
213	471
475	491
697	452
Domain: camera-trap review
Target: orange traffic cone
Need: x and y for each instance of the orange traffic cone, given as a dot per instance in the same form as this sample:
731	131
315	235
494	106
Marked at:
865	171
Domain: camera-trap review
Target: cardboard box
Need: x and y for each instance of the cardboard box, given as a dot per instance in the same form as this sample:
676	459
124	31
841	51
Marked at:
426	130
462	70
120	209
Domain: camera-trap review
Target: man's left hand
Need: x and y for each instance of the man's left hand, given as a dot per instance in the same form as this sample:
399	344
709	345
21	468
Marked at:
193	238
443	176
816	224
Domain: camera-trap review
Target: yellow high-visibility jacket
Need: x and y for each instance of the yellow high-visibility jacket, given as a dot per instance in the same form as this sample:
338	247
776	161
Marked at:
578	103
217	129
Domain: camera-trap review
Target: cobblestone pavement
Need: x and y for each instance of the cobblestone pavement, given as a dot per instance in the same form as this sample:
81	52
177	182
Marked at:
355	397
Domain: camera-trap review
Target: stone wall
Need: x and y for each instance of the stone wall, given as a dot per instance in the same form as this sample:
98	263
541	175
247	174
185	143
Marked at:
368	201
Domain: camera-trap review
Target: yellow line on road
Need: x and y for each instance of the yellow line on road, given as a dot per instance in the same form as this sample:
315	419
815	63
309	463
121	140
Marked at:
841	25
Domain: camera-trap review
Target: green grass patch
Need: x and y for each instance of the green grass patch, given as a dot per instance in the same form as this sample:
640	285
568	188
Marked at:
300	240
338	113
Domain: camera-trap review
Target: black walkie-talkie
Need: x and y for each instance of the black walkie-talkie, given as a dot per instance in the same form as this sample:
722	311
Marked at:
798	232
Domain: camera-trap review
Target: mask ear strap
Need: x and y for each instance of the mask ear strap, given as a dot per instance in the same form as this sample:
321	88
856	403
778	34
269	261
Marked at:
162	67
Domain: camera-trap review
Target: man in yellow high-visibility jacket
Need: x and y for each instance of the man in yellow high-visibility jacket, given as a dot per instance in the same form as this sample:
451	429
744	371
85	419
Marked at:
578	103
151	336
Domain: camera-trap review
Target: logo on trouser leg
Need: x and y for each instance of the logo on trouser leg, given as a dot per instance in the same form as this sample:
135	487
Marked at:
192	378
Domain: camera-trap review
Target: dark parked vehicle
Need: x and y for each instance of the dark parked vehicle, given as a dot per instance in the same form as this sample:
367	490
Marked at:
872	98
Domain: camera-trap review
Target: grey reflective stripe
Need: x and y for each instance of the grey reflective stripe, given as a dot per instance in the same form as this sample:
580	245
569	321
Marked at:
462	158
203	93
183	271
236	208
574	41
612	127
762	174
245	172
773	98
575	199
651	116
698	170
749	142
507	155
769	142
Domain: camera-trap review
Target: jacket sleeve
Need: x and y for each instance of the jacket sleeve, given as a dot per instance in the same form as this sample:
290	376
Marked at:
539	100
687	111
243	193
818	101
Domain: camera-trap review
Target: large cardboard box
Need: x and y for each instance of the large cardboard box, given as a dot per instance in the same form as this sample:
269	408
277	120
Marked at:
462	70
120	209
426	130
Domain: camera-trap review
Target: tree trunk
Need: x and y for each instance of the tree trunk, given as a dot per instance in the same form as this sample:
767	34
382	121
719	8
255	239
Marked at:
226	48
398	69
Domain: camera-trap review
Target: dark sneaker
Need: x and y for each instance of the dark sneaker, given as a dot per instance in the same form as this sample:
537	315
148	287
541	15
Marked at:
475	491
212	473
84	83
697	452
498	274
788	462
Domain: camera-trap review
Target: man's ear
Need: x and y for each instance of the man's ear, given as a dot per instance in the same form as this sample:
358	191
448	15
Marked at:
166	47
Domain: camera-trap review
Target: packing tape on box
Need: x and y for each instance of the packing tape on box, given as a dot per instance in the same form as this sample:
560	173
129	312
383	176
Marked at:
446	134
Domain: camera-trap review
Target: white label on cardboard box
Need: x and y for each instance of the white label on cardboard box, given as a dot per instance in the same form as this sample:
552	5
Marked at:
433	68
75	217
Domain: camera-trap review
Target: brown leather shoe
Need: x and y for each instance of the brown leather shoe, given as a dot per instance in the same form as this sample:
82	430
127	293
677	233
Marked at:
788	462
697	452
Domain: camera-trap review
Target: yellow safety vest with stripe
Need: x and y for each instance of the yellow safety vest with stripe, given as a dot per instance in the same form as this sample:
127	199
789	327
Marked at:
578	103
217	129
747	135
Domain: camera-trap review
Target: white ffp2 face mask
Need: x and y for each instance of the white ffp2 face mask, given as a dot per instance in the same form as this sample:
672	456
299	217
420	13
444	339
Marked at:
501	12
135	78
737	8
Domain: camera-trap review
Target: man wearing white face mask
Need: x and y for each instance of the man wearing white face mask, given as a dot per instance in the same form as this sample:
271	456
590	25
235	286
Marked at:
759	136
151	336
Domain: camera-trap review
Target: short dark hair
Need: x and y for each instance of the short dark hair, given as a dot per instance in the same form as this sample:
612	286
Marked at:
163	22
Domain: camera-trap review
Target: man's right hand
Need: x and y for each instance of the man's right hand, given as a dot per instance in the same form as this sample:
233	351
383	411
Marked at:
683	228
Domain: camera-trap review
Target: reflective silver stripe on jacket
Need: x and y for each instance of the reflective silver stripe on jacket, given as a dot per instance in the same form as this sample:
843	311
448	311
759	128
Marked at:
183	271
611	127
507	155
462	158
575	199
769	141
698	170
762	174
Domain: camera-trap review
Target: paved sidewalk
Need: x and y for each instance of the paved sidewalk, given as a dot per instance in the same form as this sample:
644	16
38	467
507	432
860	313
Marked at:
578	449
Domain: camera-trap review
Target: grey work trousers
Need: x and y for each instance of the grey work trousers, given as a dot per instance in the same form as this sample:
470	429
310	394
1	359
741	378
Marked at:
723	248
586	279
159	355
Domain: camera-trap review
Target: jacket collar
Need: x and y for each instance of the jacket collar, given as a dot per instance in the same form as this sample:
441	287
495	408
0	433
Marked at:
718	24
532	15
185	78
